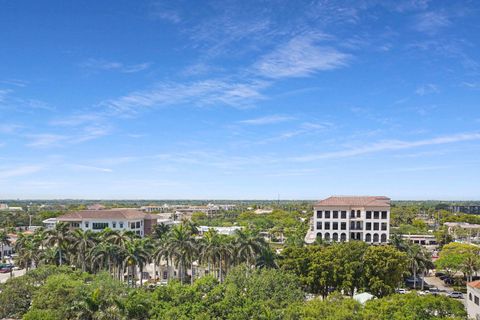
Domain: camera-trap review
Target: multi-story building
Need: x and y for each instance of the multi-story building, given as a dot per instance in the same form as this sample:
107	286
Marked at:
465	209
116	219
345	218
473	300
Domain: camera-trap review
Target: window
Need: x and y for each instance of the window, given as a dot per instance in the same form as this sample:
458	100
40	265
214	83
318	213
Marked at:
99	225
376	226
138	224
319	225
470	296
343	226
319	214
359	225
344	215
121	225
75	224
327	225
476	300
384	226
369	214
132	225
327	214
368	226
376	215
376	237
352	235
335	226
335	214
114	224
384	214
352	225
384	238
352	214
86	224
358	213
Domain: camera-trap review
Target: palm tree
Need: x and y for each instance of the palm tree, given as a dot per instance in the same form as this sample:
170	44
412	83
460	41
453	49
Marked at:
161	253
182	246
4	241
209	249
419	259
135	255
267	259
82	243
248	246
59	236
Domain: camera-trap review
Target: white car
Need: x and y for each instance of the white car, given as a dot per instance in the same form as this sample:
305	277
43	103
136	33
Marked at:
401	291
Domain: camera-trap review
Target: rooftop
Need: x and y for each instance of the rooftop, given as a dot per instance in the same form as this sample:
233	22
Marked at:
121	214
355	201
474	284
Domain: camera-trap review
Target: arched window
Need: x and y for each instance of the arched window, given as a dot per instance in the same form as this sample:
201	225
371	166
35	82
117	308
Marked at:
384	238
368	237
326	236
335	236
319	235
470	296
376	238
343	237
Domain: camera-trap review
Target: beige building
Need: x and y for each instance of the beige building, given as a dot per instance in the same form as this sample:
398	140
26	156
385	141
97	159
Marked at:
345	218
473	300
125	219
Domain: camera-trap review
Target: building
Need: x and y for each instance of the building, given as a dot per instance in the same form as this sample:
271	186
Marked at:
345	218
473	300
229	231
6	207
465	209
116	219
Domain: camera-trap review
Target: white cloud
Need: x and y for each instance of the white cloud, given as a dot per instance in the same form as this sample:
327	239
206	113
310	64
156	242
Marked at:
300	57
9	128
389	146
431	22
427	89
43	140
272	119
201	93
82	167
19	171
104	65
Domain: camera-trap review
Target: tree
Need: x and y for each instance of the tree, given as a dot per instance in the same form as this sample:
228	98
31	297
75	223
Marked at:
82	243
59	237
457	256
384	267
413	307
4	241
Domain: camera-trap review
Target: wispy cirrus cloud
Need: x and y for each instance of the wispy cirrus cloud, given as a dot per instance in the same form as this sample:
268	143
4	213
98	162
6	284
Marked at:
81	167
431	22
428	88
272	119
47	140
19	171
200	93
390	145
94	65
301	57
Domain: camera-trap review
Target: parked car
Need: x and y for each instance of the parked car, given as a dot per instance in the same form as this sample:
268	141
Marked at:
455	294
401	291
6	270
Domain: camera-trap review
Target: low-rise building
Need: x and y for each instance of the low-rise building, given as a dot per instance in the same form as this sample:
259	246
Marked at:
473	300
125	219
345	218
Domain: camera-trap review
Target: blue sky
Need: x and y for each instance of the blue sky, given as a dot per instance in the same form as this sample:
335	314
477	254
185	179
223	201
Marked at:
239	99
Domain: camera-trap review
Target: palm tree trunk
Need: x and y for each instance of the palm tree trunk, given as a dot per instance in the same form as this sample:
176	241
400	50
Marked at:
191	278
414	277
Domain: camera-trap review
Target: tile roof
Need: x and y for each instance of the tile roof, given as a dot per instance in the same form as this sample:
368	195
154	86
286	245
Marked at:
474	284
355	201
121	214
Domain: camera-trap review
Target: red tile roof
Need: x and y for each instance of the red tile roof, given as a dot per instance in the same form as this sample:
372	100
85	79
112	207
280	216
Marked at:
355	201
474	284
120	214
